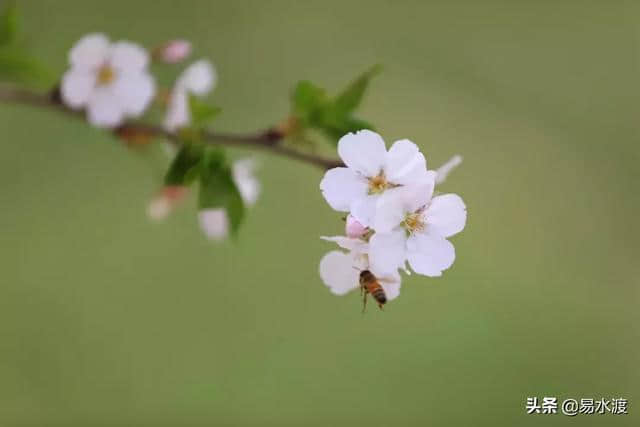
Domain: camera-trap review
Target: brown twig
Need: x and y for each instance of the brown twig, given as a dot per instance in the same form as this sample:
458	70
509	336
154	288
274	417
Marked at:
268	140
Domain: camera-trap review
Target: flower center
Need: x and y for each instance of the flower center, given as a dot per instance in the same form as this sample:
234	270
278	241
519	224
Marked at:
378	184
106	75
414	222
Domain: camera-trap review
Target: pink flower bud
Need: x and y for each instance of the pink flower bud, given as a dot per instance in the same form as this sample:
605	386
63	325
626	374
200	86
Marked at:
161	206
353	228
173	51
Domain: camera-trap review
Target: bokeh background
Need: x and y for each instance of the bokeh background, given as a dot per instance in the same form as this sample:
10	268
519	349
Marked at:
107	319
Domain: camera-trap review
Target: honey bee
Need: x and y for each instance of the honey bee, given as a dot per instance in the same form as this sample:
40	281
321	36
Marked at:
369	284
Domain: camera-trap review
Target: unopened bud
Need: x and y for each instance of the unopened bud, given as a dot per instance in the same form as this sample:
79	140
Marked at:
173	51
353	228
161	206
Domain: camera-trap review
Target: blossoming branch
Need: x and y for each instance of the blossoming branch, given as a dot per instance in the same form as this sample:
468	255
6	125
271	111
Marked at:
394	221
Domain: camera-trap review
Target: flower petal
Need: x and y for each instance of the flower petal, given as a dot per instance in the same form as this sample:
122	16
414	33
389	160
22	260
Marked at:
245	179
363	151
446	215
443	171
387	252
104	109
214	222
405	164
418	196
77	86
341	187
390	209
364	209
391	286
358	246
127	57
178	114
429	254
198	78
89	52
134	92
394	204
338	273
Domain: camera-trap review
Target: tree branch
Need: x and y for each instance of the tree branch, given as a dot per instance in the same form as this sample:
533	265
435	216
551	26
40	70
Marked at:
269	140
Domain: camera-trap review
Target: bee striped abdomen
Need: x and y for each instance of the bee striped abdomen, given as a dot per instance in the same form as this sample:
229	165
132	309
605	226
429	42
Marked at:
378	293
371	286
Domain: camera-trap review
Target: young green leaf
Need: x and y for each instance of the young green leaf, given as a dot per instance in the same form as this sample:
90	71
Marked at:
186	166
201	112
218	190
332	116
308	98
351	97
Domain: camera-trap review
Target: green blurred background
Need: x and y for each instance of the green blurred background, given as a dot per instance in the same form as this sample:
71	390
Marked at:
107	319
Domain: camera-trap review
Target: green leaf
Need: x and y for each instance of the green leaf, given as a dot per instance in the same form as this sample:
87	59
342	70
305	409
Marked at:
17	67
332	116
9	23
351	97
201	112
186	166
218	190
308	98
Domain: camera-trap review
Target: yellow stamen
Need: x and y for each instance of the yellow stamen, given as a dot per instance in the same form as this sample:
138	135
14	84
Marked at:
106	75
378	184
413	222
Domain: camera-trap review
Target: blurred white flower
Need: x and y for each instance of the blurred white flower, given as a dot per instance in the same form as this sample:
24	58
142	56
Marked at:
243	173
372	175
340	270
109	80
353	228
421	238
214	222
443	171
173	51
198	79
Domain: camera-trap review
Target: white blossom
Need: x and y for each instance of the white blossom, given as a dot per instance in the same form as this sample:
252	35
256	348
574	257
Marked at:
421	237
109	80
243	173
214	222
198	79
372	175
340	270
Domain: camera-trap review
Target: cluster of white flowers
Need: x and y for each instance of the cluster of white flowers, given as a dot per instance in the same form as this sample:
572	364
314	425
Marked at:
111	82
393	218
